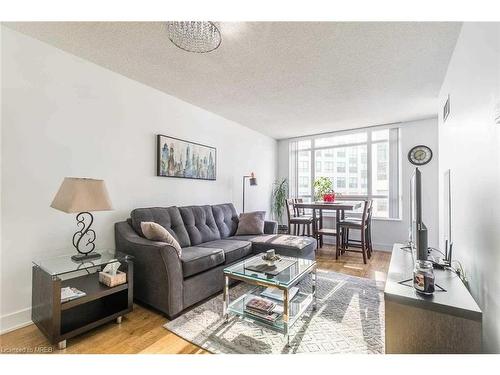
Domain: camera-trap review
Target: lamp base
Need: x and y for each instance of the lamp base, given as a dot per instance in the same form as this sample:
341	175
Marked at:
85	257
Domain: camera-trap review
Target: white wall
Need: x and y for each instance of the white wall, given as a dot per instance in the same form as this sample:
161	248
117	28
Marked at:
64	116
469	143
386	232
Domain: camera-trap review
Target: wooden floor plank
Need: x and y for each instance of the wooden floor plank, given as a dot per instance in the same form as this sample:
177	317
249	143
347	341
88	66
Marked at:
142	330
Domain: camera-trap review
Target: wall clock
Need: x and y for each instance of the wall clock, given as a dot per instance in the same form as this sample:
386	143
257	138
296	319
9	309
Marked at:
420	155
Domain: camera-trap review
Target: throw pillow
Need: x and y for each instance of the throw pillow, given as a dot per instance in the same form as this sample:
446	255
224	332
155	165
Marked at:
155	232
251	223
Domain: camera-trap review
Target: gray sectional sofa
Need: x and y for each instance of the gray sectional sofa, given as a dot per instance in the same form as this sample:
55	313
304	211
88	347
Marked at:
206	234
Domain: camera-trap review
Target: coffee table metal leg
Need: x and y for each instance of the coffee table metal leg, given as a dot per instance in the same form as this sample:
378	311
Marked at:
314	276
225	304
286	316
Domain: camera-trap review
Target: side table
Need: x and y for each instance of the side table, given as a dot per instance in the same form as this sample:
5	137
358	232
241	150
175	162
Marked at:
60	321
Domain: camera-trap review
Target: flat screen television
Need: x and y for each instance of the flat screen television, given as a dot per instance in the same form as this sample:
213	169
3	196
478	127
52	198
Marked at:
417	230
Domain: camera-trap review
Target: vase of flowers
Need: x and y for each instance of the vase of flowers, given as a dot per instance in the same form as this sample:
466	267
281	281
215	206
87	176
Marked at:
323	189
330	197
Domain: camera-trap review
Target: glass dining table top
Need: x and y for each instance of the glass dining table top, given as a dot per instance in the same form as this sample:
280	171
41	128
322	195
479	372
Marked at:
298	267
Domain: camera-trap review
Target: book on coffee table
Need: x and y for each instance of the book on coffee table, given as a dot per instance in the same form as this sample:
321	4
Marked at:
264	309
272	317
260	304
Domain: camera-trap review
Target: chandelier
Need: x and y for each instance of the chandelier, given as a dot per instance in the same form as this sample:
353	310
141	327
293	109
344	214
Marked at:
194	36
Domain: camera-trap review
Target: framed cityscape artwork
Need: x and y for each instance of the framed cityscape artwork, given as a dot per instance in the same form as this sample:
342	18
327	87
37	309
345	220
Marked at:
184	159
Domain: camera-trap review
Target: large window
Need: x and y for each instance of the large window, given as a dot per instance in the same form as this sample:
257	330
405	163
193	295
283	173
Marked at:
362	165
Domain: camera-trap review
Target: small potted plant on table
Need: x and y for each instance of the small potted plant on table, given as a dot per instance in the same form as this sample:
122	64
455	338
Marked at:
323	189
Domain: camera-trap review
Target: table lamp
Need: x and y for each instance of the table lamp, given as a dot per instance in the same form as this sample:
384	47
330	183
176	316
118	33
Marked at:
253	182
82	195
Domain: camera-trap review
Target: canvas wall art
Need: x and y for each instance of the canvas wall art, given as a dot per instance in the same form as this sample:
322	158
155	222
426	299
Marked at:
179	158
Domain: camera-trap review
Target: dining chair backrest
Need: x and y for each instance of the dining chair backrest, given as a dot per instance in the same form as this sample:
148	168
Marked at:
367	212
299	211
290	208
370	211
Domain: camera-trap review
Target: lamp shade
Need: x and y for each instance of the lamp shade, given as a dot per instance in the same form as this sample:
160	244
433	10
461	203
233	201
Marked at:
81	195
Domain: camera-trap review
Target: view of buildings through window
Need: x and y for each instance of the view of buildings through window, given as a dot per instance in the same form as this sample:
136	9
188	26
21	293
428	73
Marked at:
359	164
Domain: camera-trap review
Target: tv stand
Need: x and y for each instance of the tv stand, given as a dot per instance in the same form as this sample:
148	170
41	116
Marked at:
445	322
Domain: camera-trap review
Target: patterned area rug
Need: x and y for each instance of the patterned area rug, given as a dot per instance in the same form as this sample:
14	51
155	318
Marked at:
349	319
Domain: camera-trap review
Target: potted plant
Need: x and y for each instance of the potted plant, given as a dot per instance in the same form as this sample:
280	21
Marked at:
278	201
323	189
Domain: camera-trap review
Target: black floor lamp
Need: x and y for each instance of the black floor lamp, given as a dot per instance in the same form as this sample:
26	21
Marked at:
253	182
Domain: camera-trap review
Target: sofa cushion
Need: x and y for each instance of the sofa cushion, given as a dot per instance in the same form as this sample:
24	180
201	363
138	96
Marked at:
196	259
155	232
226	218
284	244
233	249
200	224
168	217
283	240
251	223
246	237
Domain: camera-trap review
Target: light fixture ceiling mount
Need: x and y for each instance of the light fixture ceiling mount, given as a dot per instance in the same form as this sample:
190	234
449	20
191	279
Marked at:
194	36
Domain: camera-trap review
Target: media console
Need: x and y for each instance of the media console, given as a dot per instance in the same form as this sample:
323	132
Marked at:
446	322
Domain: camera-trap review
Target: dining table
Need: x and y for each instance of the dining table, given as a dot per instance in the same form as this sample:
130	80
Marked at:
339	206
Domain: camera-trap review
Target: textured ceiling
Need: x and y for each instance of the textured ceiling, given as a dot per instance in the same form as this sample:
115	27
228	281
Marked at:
283	79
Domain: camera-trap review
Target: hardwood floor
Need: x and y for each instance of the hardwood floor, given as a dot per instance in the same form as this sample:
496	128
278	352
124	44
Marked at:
142	330
352	263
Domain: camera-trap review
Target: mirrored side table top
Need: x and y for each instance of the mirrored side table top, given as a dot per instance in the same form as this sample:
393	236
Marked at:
62	264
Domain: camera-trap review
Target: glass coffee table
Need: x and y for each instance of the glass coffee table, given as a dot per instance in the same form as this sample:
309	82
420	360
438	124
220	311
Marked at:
292	307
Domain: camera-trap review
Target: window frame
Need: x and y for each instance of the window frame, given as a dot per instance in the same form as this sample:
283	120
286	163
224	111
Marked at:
394	194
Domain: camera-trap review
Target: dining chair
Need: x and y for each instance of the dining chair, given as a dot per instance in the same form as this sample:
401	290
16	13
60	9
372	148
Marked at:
362	224
300	211
368	232
321	232
318	232
305	222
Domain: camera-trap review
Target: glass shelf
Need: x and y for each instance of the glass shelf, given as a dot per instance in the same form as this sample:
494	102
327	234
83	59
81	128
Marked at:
286	278
297	306
63	264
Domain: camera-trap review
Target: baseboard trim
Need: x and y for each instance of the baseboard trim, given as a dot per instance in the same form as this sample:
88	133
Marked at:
383	247
17	319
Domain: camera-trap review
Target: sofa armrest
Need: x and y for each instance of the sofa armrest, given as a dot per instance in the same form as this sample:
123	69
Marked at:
158	278
270	227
